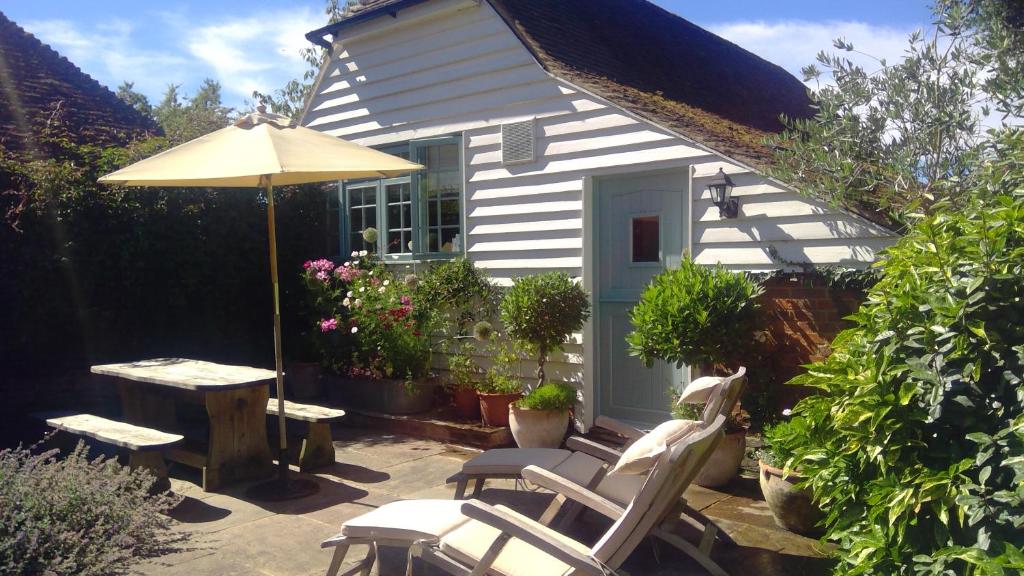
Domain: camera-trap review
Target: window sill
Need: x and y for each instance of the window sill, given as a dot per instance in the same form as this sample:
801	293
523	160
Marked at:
421	258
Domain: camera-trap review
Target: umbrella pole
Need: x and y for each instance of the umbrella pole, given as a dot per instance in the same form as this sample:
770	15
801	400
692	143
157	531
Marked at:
282	440
282	488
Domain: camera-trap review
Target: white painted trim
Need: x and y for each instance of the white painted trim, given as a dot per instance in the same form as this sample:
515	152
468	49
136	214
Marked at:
688	205
590	333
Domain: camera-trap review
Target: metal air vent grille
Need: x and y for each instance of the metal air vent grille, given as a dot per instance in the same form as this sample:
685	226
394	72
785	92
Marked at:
517	142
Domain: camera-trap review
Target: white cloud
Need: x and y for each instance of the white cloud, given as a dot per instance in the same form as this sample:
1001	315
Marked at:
794	44
110	53
260	51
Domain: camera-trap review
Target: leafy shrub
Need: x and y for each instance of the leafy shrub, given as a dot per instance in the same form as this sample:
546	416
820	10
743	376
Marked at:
777	440
463	372
76	516
551	396
459	292
694	315
372	316
503	375
541	312
915	446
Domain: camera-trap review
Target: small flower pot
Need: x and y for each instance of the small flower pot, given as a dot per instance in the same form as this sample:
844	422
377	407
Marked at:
494	407
386	396
724	463
466	403
791	507
537	428
303	381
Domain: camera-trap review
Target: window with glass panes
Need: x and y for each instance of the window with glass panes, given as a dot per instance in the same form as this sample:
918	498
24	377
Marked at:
417	215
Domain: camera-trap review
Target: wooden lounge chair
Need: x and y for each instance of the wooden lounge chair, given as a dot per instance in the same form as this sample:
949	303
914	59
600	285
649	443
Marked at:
471	537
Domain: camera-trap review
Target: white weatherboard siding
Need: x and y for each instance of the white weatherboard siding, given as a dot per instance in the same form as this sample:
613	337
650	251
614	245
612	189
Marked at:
454	67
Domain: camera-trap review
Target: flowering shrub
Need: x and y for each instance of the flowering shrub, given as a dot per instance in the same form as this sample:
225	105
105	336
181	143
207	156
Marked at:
76	516
370	324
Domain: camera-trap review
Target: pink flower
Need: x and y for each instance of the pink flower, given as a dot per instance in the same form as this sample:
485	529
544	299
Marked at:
347	274
322	276
406	301
328	324
321	265
307	264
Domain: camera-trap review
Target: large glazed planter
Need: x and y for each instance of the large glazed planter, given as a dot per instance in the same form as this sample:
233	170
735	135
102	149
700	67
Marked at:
466	403
724	462
537	428
387	396
791	507
303	380
494	407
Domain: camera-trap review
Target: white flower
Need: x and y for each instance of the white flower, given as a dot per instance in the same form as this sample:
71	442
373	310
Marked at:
346	301
362	288
355	329
355	253
381	289
359	302
386	282
363	253
371	272
346	264
349	295
787	412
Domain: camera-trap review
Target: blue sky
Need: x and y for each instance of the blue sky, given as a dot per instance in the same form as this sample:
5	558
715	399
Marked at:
255	44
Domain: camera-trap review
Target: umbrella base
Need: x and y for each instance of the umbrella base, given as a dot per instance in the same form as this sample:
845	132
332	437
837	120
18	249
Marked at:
275	490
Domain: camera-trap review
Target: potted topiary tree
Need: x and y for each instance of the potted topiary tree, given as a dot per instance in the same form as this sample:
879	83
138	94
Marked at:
698	316
540	313
500	387
791	506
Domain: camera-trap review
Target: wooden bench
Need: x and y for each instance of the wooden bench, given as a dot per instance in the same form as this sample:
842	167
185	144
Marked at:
317	446
145	444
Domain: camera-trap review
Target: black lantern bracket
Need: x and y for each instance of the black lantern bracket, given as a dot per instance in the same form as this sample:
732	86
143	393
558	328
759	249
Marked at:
720	188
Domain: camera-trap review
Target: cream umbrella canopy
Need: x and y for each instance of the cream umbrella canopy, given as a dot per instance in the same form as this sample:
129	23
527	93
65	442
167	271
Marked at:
262	150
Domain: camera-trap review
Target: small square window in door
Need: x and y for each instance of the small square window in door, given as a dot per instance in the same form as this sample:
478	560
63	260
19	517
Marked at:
646	239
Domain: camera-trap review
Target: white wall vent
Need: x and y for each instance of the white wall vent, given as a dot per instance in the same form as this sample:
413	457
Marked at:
517	142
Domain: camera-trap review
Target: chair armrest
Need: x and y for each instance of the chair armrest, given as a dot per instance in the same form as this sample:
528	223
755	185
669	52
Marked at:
595	449
620	428
530	534
573	491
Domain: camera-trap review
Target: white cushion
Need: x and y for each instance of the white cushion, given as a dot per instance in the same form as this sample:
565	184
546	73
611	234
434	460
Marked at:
620	488
409	520
579	468
642	454
469	542
511	461
698	391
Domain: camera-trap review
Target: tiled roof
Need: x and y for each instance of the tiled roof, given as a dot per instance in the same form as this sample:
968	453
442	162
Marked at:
35	81
656	65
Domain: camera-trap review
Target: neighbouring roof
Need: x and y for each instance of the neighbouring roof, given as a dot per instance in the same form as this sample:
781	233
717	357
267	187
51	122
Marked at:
650	62
36	81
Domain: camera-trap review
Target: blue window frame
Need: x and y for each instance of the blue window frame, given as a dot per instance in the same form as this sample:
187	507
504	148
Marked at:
417	216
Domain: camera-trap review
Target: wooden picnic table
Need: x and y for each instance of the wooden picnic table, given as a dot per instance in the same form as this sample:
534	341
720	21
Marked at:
235	401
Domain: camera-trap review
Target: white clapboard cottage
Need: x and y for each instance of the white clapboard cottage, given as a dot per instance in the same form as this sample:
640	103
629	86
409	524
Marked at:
575	135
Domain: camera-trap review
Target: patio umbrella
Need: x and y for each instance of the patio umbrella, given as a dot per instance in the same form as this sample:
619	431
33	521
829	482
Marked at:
262	150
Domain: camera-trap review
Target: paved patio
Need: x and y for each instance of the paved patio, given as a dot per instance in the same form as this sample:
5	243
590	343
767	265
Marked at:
232	535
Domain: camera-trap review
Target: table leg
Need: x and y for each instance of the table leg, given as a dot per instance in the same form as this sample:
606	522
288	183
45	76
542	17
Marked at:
238	448
150	407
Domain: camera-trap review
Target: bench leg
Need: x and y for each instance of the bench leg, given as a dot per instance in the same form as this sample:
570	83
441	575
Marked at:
317	447
153	461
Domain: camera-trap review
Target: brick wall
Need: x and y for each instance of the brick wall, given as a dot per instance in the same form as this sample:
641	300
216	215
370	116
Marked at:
802	315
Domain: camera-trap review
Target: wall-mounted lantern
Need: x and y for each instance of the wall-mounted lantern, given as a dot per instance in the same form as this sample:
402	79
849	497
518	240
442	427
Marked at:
720	188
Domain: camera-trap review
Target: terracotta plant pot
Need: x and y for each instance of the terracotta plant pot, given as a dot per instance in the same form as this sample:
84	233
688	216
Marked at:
387	396
791	507
303	380
466	403
494	407
537	428
724	463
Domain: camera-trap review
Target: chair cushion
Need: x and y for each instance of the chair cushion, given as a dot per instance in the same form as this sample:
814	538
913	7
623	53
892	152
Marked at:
511	461
470	541
579	468
409	520
642	454
698	391
620	488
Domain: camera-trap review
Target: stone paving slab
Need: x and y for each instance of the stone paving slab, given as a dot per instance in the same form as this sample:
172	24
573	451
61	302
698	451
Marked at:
230	534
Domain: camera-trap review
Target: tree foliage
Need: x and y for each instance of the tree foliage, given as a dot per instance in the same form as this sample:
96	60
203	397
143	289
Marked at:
894	141
184	118
915	446
695	315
